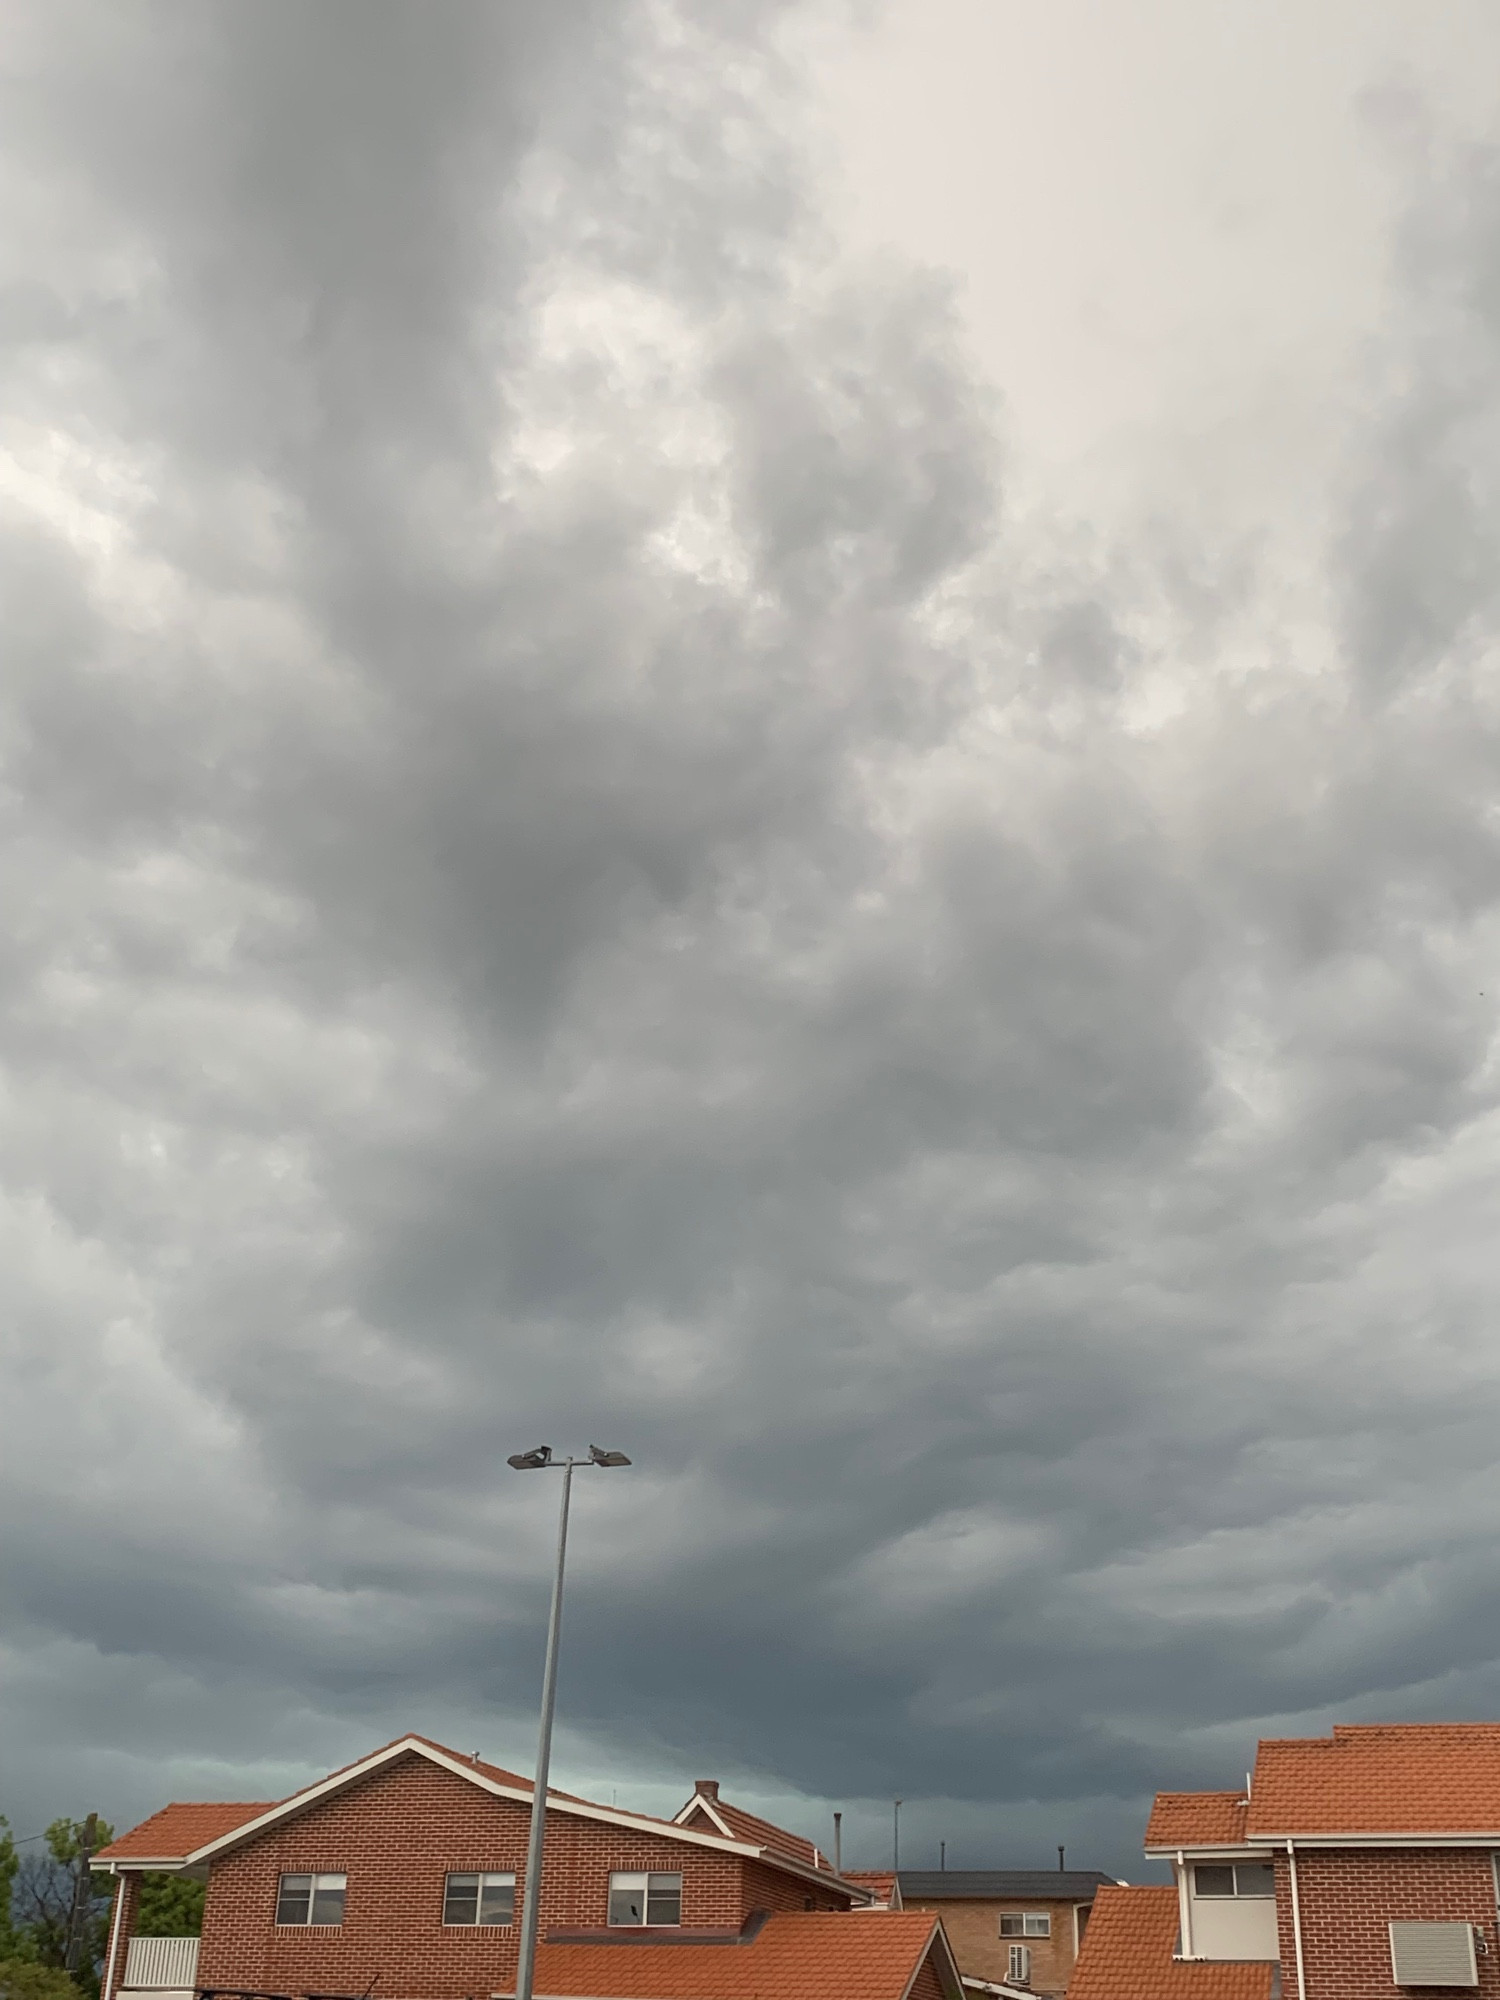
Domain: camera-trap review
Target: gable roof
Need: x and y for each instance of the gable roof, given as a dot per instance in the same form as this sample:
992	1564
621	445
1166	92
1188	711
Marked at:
229	1827
1196	1819
1127	1950
173	1833
985	1885
1379	1778
737	1824
878	1882
821	1956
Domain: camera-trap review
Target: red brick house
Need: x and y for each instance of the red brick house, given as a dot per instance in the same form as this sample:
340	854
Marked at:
400	1877
1360	1866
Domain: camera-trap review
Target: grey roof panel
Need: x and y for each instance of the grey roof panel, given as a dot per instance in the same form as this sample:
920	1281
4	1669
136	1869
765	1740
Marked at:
1073	1885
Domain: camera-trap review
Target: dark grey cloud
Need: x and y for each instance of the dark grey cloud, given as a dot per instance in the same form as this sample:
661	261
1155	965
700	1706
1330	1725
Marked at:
573	874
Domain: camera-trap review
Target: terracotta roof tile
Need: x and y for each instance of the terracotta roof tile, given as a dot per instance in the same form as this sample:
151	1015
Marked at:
181	1829
824	1956
762	1833
1410	1777
1127	1955
1197	1819
174	1832
879	1881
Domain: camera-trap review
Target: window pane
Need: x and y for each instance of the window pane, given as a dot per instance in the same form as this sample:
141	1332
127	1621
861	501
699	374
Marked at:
627	1906
328	1899
1012	1926
664	1899
1038	1925
1254	1878
461	1899
293	1900
1213	1881
497	1900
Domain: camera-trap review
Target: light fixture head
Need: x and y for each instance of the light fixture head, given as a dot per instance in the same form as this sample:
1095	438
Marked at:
598	1457
533	1460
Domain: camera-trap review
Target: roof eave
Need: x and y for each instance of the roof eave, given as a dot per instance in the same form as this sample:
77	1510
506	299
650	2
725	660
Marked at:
953	1984
339	1781
1200	1850
1475	1837
416	1746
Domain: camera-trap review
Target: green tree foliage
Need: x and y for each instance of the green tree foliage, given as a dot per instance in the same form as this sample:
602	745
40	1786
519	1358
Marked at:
25	1979
55	1900
9	1863
171	1906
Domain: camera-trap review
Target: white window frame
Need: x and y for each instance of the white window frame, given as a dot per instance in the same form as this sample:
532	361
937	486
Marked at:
483	1878
627	1879
1236	1895
329	1880
1034	1923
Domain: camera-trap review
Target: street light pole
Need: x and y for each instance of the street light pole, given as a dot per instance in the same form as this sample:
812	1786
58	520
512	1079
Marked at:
541	1460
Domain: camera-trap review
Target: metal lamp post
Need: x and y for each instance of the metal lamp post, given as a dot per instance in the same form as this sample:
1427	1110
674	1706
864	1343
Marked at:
541	1460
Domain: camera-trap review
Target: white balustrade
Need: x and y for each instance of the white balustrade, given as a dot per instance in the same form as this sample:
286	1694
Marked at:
161	1965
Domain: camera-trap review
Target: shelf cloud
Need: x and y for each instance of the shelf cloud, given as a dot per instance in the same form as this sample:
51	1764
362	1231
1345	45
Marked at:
576	871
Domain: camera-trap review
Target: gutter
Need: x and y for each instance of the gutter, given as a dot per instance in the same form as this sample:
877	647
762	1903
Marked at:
122	1890
1291	1860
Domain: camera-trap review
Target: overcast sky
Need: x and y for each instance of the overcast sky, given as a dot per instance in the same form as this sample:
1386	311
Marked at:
770	737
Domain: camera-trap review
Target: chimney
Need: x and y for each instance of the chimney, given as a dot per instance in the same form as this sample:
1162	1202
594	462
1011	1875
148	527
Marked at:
1061	1864
706	1788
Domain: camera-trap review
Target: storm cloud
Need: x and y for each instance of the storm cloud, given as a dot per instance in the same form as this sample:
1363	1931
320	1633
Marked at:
575	871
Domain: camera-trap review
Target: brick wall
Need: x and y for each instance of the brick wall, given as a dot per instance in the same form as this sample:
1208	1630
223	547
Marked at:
1349	1895
974	1932
396	1835
765	1888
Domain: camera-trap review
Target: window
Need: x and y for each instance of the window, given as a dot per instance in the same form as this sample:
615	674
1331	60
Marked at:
479	1899
311	1899
1245	1878
1029	1923
645	1899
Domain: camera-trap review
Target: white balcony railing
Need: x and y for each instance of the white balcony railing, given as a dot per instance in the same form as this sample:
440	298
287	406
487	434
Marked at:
161	1965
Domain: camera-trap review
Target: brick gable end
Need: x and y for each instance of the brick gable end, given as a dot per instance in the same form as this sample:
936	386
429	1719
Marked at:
396	1834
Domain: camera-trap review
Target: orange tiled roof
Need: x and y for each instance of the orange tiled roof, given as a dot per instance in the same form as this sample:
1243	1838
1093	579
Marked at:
173	1833
824	1956
1127	1955
180	1829
761	1833
1408	1777
1197	1819
879	1881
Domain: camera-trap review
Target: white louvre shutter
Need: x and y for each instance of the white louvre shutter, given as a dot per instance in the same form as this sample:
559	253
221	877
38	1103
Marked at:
1433	1955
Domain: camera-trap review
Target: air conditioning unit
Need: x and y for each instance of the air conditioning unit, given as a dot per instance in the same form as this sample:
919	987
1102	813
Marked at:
1020	1964
1433	1955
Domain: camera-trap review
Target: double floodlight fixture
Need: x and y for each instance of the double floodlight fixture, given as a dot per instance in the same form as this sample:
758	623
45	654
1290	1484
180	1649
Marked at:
540	1459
